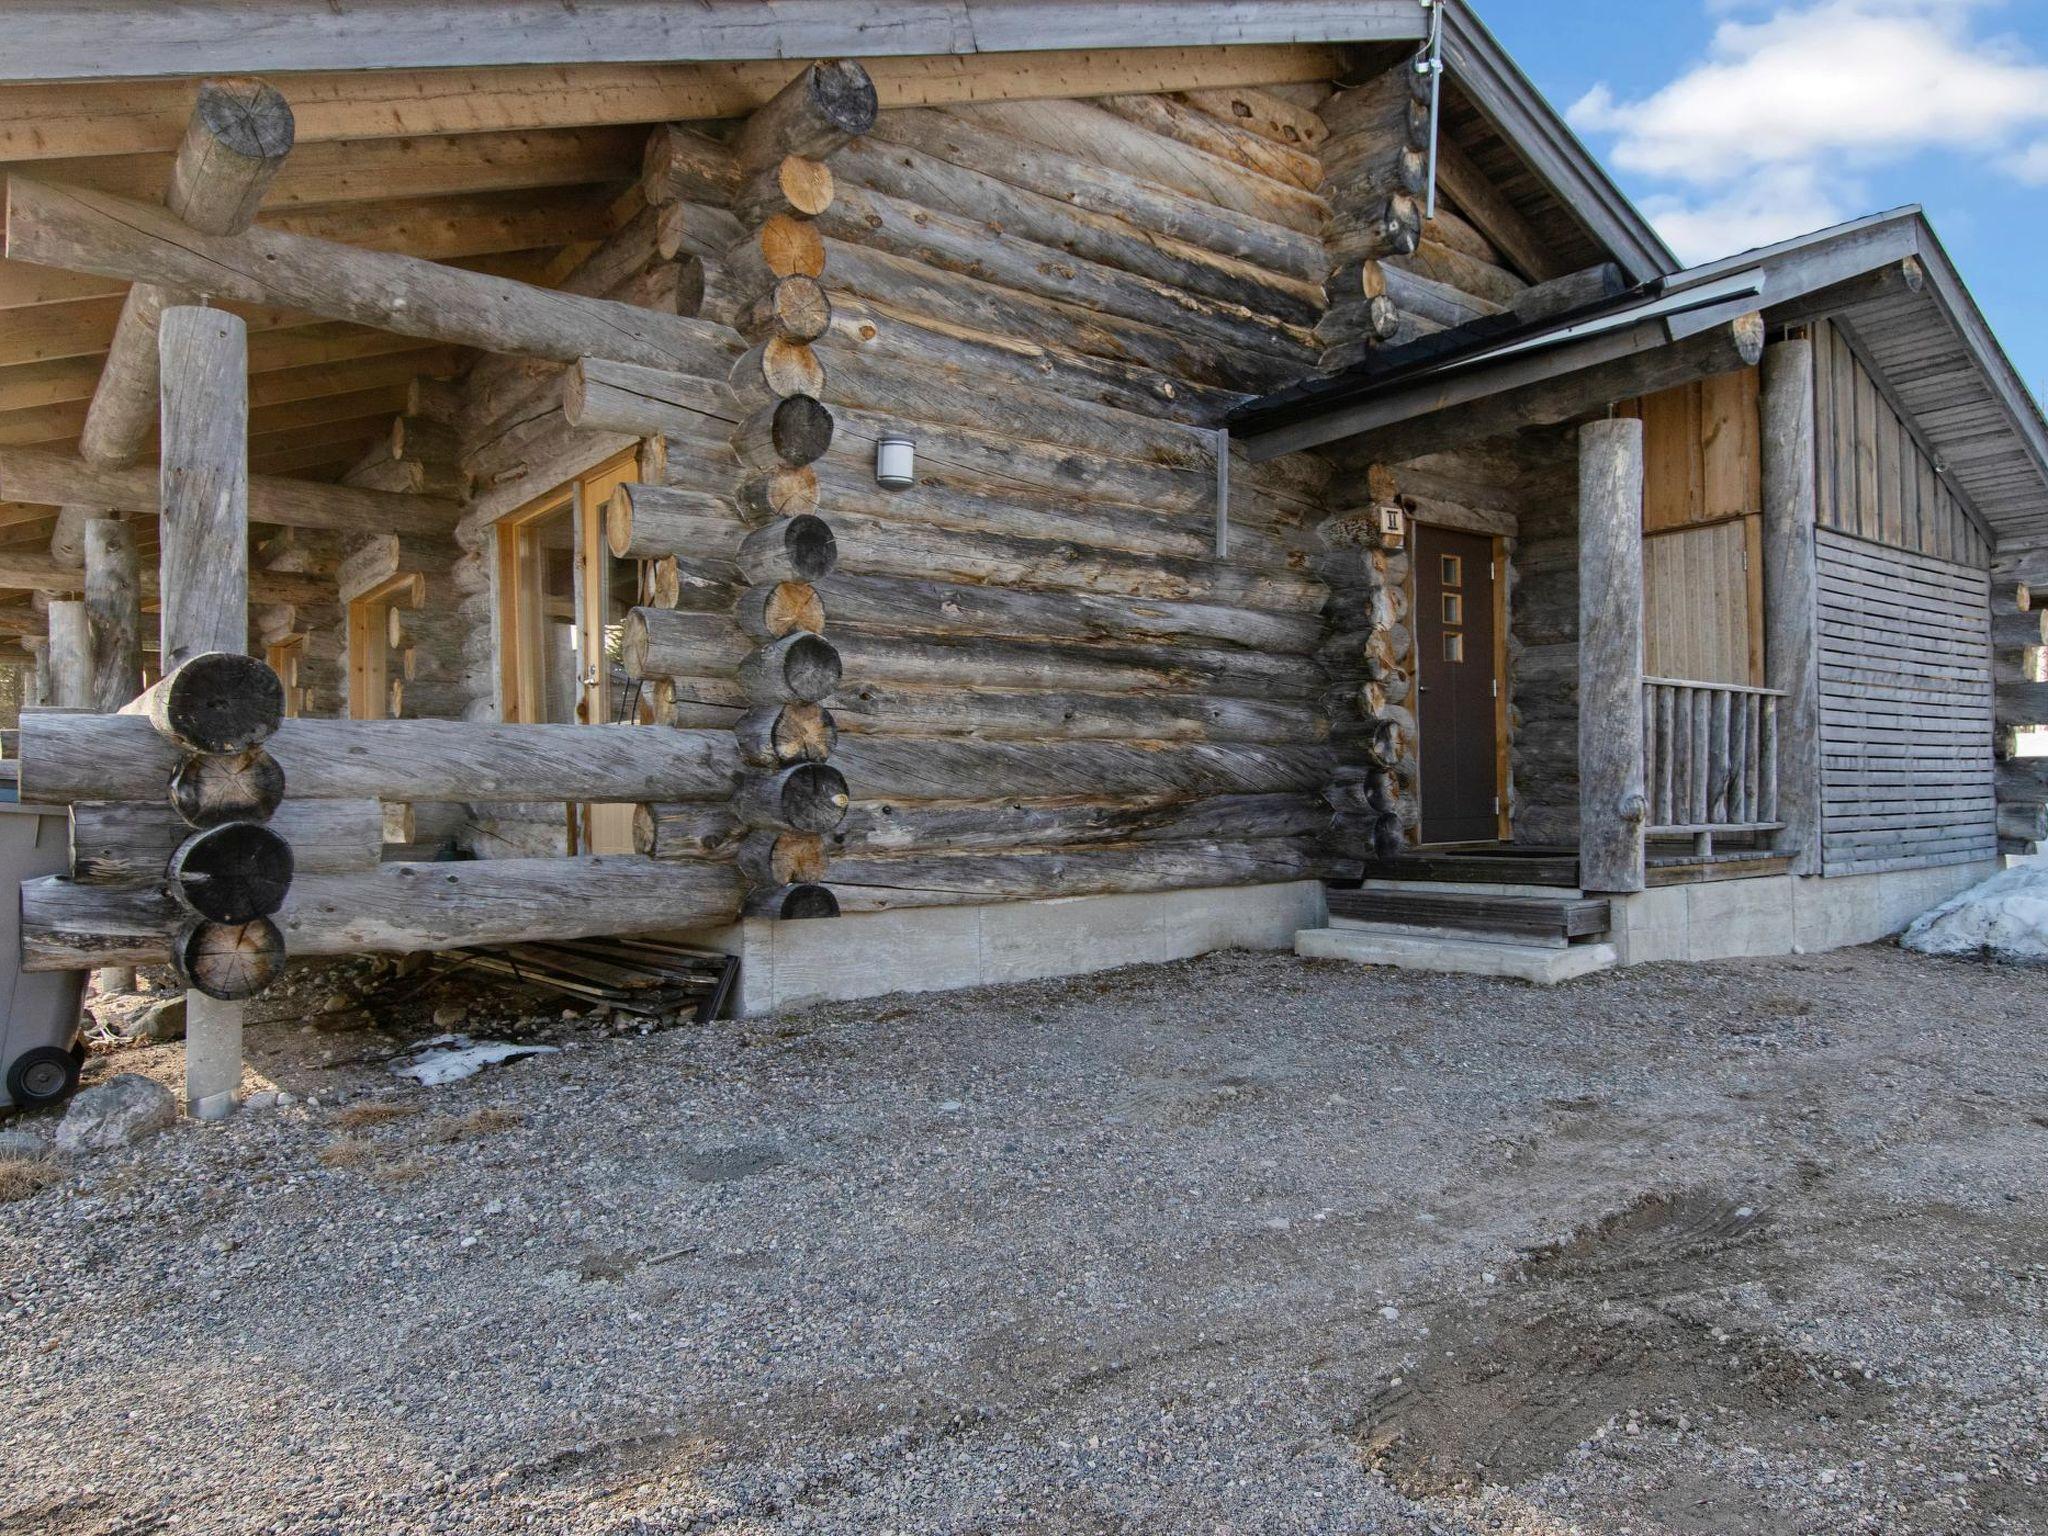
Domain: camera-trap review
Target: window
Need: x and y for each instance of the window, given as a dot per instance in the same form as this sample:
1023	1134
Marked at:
284	658
562	602
1453	570
1454	608
1454	647
375	690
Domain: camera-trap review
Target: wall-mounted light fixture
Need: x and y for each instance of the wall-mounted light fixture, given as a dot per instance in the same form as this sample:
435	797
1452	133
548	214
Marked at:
895	463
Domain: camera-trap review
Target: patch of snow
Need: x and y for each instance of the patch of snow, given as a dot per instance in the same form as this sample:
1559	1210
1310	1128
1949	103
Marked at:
460	1057
2005	918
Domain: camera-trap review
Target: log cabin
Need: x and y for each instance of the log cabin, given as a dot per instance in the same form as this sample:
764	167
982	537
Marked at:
925	494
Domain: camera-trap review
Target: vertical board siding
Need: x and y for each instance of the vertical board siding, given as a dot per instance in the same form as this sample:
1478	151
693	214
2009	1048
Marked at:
1697	610
1874	481
1905	669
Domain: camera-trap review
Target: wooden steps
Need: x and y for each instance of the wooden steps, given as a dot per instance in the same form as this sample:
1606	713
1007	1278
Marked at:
1502	865
1512	919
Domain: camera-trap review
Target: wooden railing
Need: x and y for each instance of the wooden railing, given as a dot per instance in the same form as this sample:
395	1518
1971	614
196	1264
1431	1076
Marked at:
1710	760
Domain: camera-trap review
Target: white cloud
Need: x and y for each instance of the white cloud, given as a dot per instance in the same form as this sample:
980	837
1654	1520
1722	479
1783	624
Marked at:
1765	136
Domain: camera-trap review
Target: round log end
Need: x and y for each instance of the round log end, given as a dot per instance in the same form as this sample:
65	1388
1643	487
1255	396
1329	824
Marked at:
798	309
618	522
809	668
780	734
233	873
633	643
806	184
802	430
220	702
210	790
791	247
229	961
811	797
785	492
800	548
1748	332
845	95
246	117
791	902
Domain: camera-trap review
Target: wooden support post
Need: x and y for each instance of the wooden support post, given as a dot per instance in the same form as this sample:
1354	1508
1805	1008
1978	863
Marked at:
203	582
1791	634
1612	804
70	655
113	607
113	610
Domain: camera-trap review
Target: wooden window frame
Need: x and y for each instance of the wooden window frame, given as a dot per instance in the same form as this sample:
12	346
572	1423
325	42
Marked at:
285	658
369	644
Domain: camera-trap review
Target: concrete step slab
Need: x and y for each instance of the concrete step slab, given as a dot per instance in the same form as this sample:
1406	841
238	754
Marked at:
1544	965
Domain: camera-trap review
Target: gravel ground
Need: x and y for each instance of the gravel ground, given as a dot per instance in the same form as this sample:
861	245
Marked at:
1246	1244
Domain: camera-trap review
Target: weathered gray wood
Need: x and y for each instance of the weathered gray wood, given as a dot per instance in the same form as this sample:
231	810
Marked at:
1612	800
70	655
218	701
395	908
825	105
113	608
233	873
48	40
1537	390
941	879
913	175
68	758
880	828
33	475
238	137
776	735
42	573
805	797
651	522
204	470
207	789
1791	634
90	231
122	842
945	769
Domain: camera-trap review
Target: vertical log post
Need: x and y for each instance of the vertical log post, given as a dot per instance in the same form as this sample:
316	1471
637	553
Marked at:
1612	805
204	585
113	612
1791	639
70	655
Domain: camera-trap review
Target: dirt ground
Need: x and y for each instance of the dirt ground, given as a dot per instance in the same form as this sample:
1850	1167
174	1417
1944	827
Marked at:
1242	1245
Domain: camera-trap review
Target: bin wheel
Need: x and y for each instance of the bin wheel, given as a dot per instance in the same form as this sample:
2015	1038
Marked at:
42	1076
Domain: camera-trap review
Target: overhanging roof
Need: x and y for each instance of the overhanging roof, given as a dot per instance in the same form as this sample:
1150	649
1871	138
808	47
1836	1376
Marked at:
1507	99
1932	347
70	40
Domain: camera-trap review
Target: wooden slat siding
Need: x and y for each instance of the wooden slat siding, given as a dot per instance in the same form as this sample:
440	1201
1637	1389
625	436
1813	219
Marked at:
1905	669
1702	509
1875	482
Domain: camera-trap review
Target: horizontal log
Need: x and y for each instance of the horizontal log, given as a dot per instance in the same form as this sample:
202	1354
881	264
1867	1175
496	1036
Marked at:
867	707
1056	172
66	758
875	885
681	164
116	842
32	475
900	605
953	244
2023	821
2023	704
944	769
981	662
879	828
42	573
651	522
805	797
396	908
118	237
827	103
1052	223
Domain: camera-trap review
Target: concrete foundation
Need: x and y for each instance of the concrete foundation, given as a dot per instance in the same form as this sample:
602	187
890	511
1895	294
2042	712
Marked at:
1464	955
1780	914
933	949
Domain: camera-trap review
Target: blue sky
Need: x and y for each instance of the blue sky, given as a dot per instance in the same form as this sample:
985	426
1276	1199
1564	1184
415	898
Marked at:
1735	122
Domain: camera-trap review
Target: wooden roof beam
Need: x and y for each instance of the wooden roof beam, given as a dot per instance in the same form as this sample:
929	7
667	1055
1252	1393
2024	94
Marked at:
95	232
31	476
1560	396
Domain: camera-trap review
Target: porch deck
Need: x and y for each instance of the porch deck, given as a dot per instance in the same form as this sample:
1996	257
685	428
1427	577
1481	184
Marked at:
1556	866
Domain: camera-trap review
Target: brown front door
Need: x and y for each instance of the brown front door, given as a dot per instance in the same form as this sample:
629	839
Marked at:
1456	676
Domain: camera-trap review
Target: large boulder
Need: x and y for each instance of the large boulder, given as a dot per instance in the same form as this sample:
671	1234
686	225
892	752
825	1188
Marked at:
120	1111
2005	918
